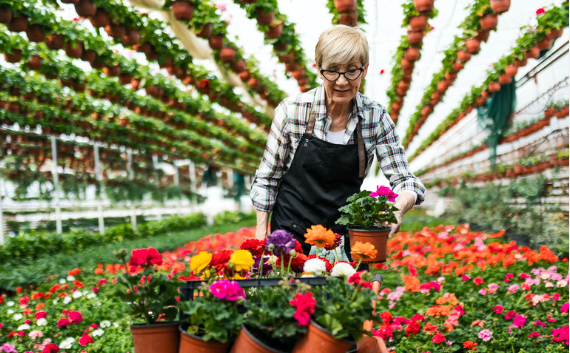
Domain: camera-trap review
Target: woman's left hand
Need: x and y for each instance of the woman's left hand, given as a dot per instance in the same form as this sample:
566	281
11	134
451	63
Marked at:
395	227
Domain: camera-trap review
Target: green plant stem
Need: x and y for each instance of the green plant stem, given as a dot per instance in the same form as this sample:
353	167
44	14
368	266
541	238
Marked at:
260	267
289	265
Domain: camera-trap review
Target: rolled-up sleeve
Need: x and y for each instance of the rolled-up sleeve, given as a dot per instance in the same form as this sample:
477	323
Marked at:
268	176
393	162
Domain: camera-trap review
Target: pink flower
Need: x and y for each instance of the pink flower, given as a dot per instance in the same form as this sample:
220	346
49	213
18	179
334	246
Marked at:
492	287
40	315
75	317
384	191
498	309
560	334
221	7
8	348
35	334
540	11
485	335
564	308
465	278
508	277
534	334
417	317
305	306
483	291
524	276
85	340
519	321
478	280
511	314
513	288
384	333
438	338
228	290
539	323
50	347
63	322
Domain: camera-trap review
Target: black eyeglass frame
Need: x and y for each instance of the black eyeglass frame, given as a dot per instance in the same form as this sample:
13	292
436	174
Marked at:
361	69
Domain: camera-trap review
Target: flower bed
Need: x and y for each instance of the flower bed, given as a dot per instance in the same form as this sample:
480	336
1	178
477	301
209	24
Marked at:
446	289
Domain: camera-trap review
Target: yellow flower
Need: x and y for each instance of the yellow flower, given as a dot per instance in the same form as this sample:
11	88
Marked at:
200	262
365	250
242	260
319	236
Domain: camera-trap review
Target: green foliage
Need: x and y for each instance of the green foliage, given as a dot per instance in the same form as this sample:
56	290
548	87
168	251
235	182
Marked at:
228	217
366	211
342	308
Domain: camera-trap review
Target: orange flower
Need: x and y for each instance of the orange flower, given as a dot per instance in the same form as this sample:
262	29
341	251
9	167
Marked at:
319	236
365	250
40	306
412	283
74	272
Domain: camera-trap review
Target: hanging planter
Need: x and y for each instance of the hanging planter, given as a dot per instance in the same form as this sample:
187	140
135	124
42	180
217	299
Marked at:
457	66
74	50
442	86
412	54
406	64
238	66
132	37
35	33
14	57
418	23
520	63
450	77
206	31
415	38
483	36
280	46
403	86
532	53
505	79
472	45
88	55
463	56
17	24
553	33
228	54
349	18
544	44
101	18
35	62
298	74
345	5
254	83
182	10
511	70
500	6
86	8
274	31
79	87
142	48
494	87
216	42
5	15
54	41
125	79
407	78
115	30
244	76
489	21
286	58
112	71
264	19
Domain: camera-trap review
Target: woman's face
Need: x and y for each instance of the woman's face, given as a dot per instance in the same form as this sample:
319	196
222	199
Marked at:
342	91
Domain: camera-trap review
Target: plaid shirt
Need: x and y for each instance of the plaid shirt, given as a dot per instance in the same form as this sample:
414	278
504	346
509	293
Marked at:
291	117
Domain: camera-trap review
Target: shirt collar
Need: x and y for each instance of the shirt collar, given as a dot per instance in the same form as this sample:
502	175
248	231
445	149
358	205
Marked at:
321	105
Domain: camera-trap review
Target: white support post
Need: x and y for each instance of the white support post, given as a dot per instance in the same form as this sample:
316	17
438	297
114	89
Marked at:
230	178
177	183
55	175
131	177
192	174
1	212
99	177
157	182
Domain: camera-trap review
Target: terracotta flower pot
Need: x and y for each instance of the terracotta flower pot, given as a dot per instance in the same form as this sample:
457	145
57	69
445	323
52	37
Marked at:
244	76
112	71
489	21
35	62
274	31
86	8
500	6
254	83
426	111
195	344
418	23
407	78
13	57
125	79
396	106
287	58
280	46
88	56
216	42
17	24
5	15
442	86
246	342
511	70
494	87
182	10
403	85
54	41
101	18
319	339
450	76
457	66
132	37
206	31
74	50
349	18
412	54
298	74
549	113
415	37
423	5
532	53
520	63
264	19
345	5
228	54
35	33
239	66
505	79
406	64
555	33
561	114
472	45
159	337
408	71
115	30
463	56
376	237
483	36
544	44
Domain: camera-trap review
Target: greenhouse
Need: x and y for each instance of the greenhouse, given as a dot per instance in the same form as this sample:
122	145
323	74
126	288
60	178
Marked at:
182	176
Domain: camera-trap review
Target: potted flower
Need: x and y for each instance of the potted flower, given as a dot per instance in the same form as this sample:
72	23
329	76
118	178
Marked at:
366	214
151	298
340	310
213	319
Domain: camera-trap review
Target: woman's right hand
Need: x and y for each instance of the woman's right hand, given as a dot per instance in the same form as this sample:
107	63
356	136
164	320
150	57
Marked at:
261	229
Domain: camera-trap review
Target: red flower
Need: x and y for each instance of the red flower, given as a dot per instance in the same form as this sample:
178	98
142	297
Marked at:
470	345
220	259
145	257
254	246
438	338
51	348
298	262
386	318
413	328
355	280
305	306
382	72
384	333
540	11
75	317
417	317
478	280
24	300
78	284
337	241
498	309
85	340
63	322
74	272
510	314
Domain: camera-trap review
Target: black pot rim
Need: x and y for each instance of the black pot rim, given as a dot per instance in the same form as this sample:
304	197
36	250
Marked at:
328	332
162	323
244	327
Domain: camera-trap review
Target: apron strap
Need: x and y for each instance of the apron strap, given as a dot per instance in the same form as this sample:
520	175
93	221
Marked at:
361	153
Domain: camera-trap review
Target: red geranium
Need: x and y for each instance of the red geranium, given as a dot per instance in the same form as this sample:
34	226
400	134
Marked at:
305	306
40	315
63	322
356	280
386	318
254	246
85	340
438	338
75	317
413	328
51	348
145	257
540	11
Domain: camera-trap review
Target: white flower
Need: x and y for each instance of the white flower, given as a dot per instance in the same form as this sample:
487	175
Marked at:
105	323
272	259
67	343
23	327
41	322
545	275
10	303
561	283
77	294
115	324
67	300
54	301
98	303
343	269
91	295
9	311
315	266
70	278
97	332
17	316
62	281
35	334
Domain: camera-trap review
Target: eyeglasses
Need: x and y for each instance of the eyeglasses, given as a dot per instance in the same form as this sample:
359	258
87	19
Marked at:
350	75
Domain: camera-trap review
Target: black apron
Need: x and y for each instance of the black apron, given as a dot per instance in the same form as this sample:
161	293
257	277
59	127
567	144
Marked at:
321	177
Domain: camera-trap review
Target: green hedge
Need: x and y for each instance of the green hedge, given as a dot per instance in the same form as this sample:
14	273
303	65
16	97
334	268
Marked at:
31	246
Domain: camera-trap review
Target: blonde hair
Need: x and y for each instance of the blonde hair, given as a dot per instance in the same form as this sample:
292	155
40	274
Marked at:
340	45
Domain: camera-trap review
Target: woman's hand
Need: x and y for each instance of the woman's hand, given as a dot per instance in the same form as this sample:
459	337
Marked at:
404	203
261	228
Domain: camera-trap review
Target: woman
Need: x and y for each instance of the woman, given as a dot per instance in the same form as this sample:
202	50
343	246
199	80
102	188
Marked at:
321	146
